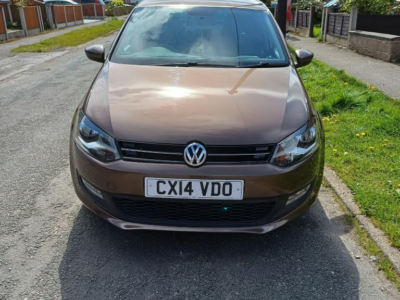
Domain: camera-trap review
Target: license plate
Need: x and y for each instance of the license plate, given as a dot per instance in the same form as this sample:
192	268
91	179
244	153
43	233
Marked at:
194	188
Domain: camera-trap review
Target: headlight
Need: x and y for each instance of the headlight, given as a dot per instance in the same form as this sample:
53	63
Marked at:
94	141
296	146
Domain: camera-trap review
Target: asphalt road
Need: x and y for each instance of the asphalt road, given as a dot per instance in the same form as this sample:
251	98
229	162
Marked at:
52	248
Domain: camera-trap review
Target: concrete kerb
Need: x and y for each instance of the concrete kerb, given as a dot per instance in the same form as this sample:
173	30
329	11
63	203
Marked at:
346	197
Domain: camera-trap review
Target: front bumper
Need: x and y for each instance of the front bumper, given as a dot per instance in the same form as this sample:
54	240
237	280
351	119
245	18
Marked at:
263	184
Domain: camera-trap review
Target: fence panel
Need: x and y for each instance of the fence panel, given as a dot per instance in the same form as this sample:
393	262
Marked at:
99	10
303	18
338	24
31	17
69	11
15	13
3	28
389	24
88	10
5	10
78	13
43	10
58	13
93	11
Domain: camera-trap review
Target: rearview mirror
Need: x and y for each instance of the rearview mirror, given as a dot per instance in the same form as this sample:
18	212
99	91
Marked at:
96	53
303	58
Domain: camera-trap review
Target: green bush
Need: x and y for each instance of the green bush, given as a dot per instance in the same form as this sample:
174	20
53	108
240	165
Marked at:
378	7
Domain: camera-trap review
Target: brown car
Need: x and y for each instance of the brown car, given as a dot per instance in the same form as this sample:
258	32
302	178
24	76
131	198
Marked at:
197	121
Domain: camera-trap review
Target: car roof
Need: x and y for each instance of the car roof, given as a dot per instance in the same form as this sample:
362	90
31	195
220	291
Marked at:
213	3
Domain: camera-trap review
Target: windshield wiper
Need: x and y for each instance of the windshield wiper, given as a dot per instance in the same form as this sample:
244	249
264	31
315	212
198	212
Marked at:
260	65
194	64
264	65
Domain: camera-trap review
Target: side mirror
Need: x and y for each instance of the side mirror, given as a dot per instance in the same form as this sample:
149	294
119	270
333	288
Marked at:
303	58
96	53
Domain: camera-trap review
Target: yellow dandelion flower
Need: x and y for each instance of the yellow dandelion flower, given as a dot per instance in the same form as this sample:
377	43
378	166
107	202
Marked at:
398	185
334	150
371	148
372	87
345	83
385	140
357	134
363	133
384	145
334	116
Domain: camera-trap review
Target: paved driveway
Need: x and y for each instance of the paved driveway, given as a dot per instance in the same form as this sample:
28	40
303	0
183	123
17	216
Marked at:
52	248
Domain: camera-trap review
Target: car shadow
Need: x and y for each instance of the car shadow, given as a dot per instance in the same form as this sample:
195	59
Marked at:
305	259
291	37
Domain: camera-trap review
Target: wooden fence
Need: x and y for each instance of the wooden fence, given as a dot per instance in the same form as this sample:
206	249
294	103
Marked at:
301	20
5	7
11	12
389	24
15	13
31	19
3	25
338	24
65	15
93	11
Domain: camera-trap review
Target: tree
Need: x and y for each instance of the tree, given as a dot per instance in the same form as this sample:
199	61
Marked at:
374	7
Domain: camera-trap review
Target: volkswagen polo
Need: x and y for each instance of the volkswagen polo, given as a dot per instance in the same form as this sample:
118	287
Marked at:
197	121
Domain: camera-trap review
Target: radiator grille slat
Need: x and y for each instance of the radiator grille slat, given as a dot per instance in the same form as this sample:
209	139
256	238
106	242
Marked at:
171	153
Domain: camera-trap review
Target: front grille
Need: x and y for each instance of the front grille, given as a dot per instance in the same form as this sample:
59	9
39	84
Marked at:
194	213
168	153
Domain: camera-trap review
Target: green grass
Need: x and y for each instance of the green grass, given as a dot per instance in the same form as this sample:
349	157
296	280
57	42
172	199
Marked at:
317	32
73	38
362	128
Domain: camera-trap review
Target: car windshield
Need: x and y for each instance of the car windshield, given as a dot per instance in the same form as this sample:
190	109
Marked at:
195	36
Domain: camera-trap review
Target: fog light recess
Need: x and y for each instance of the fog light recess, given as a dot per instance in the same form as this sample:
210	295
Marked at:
298	195
92	189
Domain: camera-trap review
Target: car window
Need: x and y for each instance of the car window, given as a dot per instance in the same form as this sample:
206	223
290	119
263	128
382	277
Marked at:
212	35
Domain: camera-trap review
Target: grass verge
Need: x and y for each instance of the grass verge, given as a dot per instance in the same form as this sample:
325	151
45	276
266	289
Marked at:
73	38
317	32
362	128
